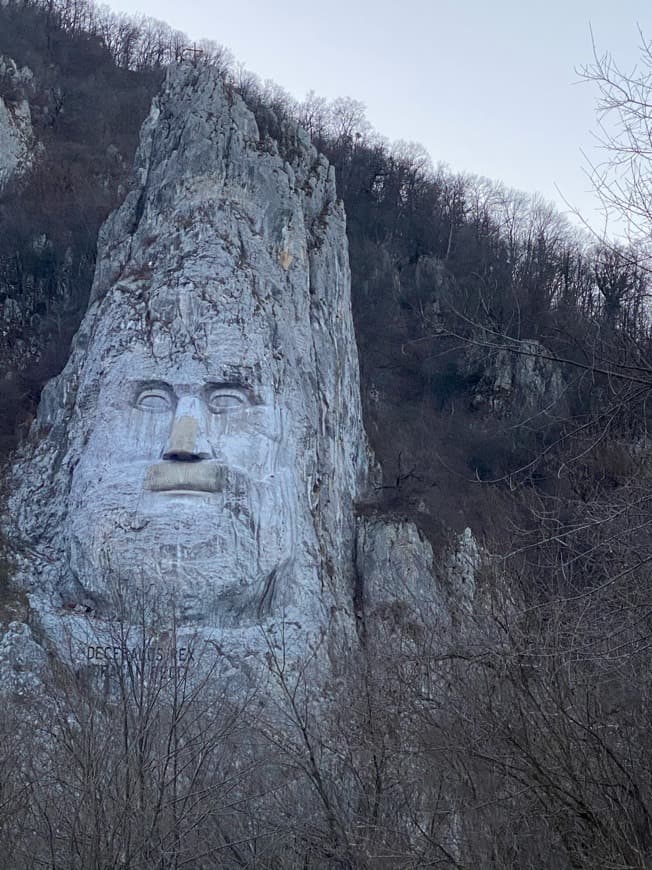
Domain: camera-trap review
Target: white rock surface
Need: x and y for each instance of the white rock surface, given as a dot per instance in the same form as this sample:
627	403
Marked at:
21	661
461	569
196	463
404	587
521	380
398	576
205	442
17	141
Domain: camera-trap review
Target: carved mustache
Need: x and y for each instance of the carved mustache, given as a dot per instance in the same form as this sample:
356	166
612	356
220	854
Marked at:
204	476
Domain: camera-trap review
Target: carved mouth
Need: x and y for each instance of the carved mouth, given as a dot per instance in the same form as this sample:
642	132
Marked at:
184	477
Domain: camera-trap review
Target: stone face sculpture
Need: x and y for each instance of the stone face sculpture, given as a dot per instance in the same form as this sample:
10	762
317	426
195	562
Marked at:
205	439
188	476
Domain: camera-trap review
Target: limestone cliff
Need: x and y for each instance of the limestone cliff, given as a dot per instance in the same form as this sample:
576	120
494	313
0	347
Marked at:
17	142
203	449
205	440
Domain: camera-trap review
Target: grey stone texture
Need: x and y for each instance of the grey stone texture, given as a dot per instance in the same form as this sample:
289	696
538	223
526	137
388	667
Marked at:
204	448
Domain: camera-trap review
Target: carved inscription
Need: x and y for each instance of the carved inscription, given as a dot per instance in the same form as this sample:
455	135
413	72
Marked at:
151	660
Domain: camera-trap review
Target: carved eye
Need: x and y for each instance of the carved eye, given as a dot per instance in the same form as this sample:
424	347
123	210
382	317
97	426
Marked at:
221	401
154	400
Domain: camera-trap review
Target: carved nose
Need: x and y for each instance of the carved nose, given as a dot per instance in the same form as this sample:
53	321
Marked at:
187	441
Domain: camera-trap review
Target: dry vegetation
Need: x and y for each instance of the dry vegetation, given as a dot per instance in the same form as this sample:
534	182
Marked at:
522	740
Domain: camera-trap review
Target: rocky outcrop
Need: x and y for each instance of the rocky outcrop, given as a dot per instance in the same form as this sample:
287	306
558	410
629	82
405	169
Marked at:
197	462
519	380
398	575
17	142
22	661
404	586
461	569
204	444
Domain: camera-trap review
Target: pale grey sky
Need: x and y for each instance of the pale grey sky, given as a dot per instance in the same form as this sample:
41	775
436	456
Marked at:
486	87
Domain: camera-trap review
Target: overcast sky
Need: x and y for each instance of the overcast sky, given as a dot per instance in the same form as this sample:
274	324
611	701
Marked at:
487	86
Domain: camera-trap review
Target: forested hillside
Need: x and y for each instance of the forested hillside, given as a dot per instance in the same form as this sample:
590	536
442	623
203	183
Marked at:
447	270
506	376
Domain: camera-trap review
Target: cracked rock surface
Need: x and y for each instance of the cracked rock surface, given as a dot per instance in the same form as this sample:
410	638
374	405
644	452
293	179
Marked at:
203	448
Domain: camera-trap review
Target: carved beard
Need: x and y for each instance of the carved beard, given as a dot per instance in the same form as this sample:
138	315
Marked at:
221	558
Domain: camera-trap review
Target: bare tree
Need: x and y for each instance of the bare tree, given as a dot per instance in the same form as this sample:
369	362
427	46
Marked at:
623	181
133	755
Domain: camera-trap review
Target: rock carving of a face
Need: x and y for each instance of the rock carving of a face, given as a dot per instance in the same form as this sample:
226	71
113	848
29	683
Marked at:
204	443
186	484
